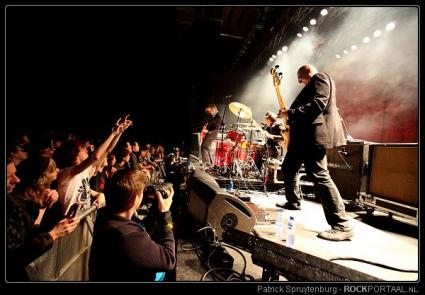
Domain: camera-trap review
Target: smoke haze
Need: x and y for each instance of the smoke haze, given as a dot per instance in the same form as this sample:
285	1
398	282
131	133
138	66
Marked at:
377	83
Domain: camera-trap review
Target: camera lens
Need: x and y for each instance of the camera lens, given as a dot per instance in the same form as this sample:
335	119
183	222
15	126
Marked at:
164	193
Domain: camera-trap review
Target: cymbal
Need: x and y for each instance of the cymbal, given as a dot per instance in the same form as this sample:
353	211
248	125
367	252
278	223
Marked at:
251	128
240	110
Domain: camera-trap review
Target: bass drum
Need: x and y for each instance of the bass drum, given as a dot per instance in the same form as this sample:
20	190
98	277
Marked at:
223	154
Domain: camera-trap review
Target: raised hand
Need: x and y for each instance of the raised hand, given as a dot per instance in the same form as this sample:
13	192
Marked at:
120	127
127	122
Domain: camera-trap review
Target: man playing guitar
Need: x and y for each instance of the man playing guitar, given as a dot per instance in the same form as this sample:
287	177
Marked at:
209	133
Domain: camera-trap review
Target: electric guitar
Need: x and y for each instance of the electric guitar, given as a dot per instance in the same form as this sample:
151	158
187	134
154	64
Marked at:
204	132
277	77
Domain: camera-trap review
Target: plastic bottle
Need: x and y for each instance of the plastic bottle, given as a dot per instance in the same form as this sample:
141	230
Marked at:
280	229
290	241
229	187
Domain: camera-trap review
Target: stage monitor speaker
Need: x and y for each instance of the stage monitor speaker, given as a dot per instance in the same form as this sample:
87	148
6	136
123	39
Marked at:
209	204
348	168
394	173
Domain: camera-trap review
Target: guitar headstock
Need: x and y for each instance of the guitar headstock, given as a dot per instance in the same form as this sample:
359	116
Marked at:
277	76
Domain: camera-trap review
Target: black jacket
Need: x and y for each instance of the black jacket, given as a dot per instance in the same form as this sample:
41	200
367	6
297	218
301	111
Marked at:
123	251
313	116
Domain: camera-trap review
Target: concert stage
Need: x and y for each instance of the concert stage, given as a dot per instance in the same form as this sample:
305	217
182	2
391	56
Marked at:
378	239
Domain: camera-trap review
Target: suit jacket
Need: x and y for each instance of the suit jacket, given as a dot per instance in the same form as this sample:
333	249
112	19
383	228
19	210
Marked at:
313	116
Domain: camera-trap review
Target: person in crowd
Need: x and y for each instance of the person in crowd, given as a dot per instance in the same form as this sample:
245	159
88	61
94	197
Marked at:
122	158
209	133
25	207
19	154
315	126
97	182
110	167
77	168
122	250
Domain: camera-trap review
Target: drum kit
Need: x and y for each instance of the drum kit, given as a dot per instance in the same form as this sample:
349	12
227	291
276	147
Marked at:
235	151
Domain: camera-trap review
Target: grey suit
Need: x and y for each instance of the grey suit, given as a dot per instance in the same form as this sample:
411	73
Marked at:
315	126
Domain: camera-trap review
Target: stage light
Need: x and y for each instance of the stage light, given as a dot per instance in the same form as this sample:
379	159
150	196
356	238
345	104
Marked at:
353	47
299	35
312	22
345	51
305	29
377	33
338	56
390	26
285	48
279	52
274	56
271	59
324	12
366	40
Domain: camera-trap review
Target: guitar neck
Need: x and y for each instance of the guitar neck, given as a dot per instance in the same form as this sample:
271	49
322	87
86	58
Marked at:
282	104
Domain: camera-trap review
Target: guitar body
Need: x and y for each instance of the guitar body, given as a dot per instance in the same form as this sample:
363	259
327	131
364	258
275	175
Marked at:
204	132
282	105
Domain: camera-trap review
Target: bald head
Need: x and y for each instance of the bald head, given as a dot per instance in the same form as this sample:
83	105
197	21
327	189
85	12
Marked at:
305	73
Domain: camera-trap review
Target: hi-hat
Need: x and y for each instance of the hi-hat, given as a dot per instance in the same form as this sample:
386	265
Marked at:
240	110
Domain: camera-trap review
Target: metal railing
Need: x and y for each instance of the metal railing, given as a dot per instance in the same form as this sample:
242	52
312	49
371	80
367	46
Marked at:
68	259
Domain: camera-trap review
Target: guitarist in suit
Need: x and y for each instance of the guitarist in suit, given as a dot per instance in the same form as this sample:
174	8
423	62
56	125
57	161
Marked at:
315	126
273	132
209	133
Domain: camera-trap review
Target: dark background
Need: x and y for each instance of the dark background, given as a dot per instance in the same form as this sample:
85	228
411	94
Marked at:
78	69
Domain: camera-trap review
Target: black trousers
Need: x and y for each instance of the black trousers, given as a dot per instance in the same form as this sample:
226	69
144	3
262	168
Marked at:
316	167
205	147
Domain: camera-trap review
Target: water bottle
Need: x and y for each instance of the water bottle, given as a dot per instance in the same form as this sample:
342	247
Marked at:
280	229
290	241
229	187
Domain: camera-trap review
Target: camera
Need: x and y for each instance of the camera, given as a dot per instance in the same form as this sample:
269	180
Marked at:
149	206
148	211
165	189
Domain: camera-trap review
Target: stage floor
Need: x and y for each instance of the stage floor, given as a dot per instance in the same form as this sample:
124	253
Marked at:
378	238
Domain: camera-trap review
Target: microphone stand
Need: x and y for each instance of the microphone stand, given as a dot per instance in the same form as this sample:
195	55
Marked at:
222	134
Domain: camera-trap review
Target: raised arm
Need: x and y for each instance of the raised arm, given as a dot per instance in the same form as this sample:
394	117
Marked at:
106	146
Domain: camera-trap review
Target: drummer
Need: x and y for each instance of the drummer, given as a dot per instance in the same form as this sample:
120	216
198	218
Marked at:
272	148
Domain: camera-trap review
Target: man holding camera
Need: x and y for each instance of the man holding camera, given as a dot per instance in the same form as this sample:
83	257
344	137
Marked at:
122	250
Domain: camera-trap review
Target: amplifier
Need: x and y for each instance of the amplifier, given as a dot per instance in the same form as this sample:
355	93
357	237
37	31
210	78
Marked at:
393	179
348	166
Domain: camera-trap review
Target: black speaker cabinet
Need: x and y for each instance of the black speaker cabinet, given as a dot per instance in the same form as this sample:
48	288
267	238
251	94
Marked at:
348	168
208	203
